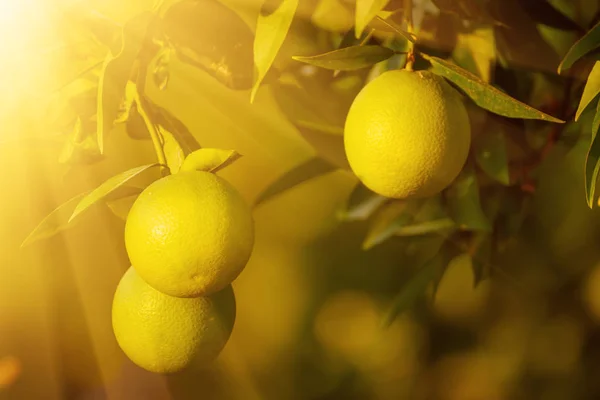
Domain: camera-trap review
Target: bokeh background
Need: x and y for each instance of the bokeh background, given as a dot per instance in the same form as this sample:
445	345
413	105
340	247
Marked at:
311	301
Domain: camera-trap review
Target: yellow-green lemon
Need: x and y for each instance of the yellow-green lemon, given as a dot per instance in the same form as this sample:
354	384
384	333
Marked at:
407	134
166	334
189	234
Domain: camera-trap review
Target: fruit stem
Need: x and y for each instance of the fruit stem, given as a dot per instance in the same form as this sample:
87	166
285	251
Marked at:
410	57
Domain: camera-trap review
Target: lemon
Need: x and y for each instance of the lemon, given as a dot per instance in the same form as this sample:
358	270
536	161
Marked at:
407	134
189	234
166	334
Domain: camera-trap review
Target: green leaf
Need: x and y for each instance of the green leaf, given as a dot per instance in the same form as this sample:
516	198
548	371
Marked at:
382	24
362	203
127	103
107	188
476	52
308	170
349	58
592	161
414	288
56	222
481	256
590	41
591	90
388	220
116	72
491	154
320	127
161	73
271	30
167	120
366	10
173	152
423	228
464	203
484	95
80	147
209	160
121	204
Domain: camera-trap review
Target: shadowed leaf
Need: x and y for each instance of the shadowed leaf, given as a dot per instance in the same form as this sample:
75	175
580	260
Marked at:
590	41
349	58
485	95
591	90
210	160
592	161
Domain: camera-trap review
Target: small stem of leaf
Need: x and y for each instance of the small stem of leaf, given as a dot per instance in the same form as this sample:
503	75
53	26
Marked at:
156	140
410	58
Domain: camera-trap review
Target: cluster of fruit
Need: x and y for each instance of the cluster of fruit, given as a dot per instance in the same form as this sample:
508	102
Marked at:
188	236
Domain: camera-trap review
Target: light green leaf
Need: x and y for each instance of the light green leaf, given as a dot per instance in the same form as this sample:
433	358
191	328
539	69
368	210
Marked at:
308	170
591	90
387	220
484	95
491	155
173	152
590	41
117	71
210	160
271	29
414	288
107	188
476	52
349	58
426	227
320	127
361	204
56	222
464	203
366	10
592	161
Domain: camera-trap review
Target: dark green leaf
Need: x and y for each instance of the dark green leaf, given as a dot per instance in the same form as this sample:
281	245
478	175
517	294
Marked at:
271	30
464	204
308	170
541	11
591	90
210	160
366	10
414	288
117	71
361	204
173	152
349	58
107	188
481	257
56	222
590	41
491	155
484	95
592	161
167	120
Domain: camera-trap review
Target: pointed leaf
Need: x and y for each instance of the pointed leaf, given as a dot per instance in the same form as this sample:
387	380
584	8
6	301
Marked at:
120	207
321	127
116	73
484	95
592	161
366	10
388	220
541	11
271	30
414	288
361	204
127	103
476	52
464	203
591	90
590	41
56	222
107	188
491	155
308	170
167	120
209	160
481	254
386	25
172	149
423	228
349	58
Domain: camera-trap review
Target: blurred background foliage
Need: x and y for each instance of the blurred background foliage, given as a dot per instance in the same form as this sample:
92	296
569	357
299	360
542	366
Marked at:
312	301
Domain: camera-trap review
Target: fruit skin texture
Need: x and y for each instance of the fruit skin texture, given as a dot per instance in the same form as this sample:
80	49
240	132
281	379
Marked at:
166	334
189	234
407	134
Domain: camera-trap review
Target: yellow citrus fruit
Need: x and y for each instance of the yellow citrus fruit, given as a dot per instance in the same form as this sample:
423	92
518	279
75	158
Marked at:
407	134
166	334
189	234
